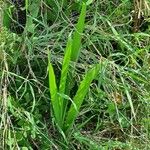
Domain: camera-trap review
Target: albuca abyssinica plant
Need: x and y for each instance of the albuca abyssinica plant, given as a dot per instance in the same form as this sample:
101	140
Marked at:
64	120
59	99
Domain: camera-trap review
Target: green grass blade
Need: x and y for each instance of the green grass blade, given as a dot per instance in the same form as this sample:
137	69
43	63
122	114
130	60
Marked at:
79	97
64	73
78	34
119	38
26	4
53	92
126	89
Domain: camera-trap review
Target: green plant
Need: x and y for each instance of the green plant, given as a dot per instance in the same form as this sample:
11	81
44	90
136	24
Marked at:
65	119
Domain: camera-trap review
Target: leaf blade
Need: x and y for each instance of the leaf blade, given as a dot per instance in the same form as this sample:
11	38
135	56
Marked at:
64	74
53	92
78	34
79	97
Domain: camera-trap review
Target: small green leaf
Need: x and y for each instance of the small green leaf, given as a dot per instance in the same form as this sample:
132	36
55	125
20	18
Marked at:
30	26
7	17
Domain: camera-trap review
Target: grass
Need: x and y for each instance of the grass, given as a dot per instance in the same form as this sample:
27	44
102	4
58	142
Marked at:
76	78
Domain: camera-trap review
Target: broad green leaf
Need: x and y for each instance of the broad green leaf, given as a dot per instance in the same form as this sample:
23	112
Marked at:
34	8
56	104
64	73
79	97
78	34
30	26
7	17
65	66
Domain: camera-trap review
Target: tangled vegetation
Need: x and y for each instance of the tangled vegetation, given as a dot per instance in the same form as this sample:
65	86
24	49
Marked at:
75	75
